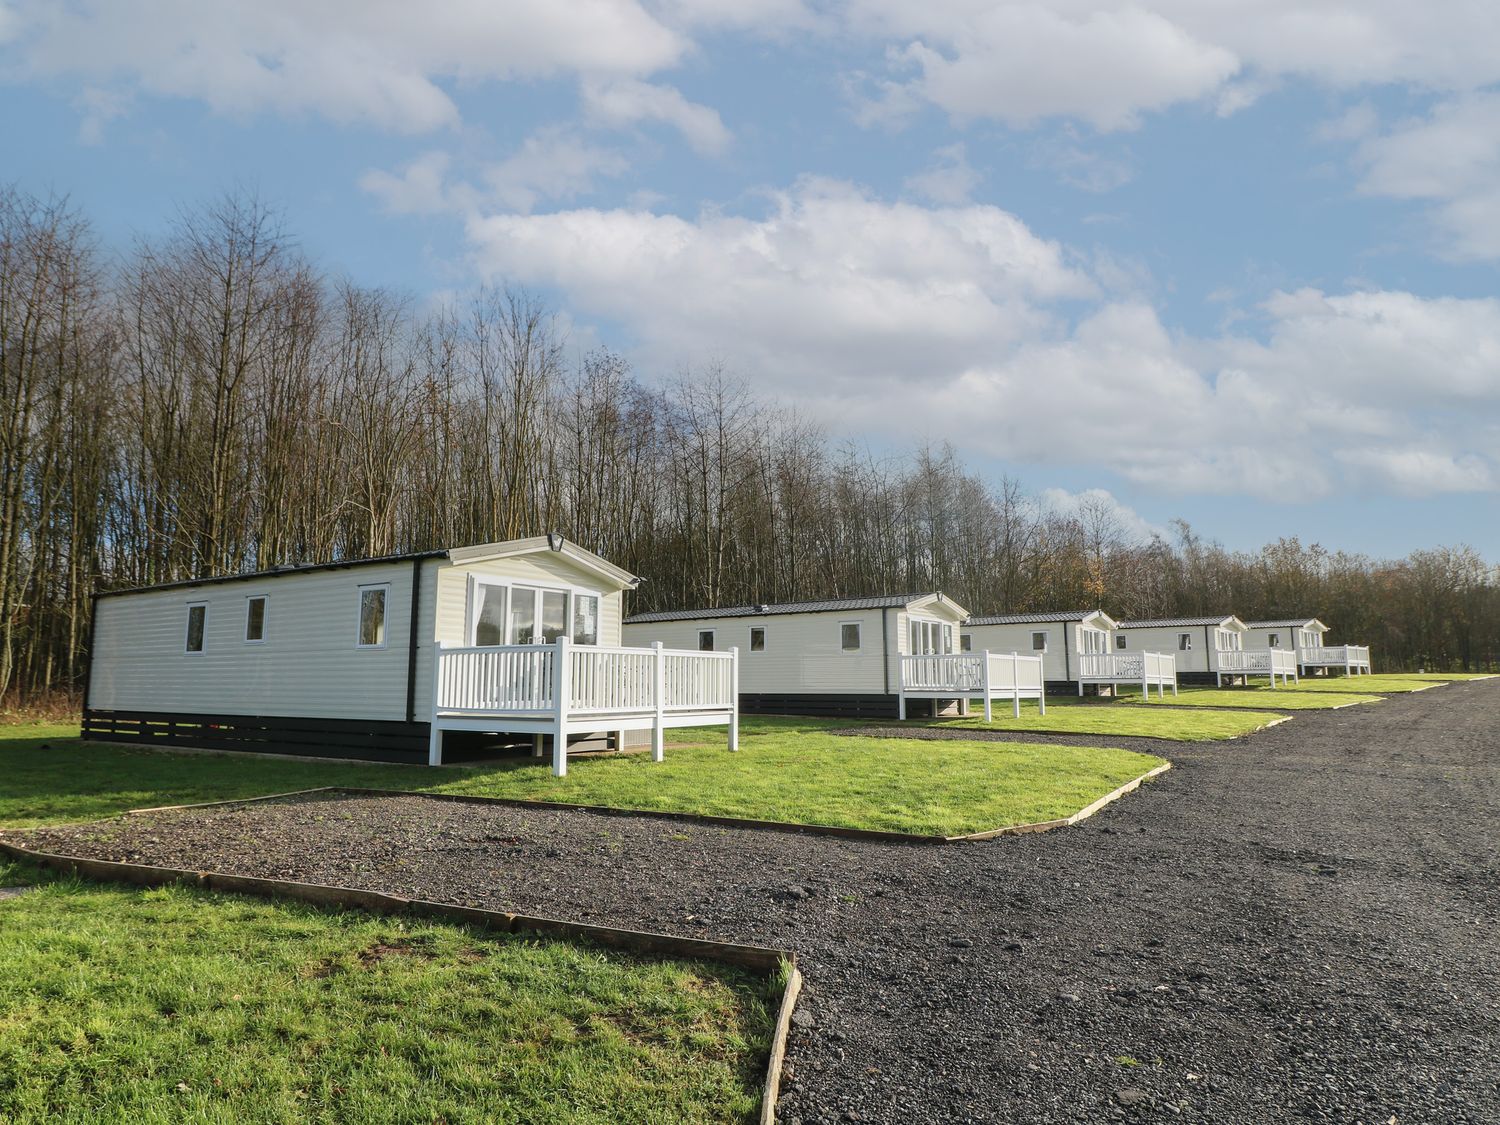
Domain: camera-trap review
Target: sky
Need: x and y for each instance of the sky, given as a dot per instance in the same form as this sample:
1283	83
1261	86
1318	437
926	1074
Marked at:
1231	261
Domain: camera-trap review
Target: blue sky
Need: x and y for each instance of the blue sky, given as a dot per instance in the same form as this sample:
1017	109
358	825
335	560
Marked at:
1230	262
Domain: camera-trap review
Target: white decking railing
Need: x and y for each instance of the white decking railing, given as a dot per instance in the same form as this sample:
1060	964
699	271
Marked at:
1270	662
1149	669
564	689
963	675
1353	659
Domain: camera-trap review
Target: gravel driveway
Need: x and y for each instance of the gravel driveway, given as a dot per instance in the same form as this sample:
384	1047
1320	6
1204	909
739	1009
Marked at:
1301	925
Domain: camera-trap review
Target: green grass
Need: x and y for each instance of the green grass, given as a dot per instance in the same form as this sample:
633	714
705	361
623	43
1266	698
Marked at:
174	1005
1104	718
1459	676
786	770
1383	684
1274	699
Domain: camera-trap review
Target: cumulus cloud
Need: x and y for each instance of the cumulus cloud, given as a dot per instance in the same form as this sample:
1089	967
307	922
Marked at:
1108	63
1100	506
949	179
378	62
554	163
960	322
628	102
1450	159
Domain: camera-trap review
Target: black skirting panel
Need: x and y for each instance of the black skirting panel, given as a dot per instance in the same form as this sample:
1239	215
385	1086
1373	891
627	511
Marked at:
831	705
373	740
1199	678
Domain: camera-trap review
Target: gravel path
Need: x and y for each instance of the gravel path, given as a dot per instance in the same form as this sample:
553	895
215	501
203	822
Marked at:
1299	926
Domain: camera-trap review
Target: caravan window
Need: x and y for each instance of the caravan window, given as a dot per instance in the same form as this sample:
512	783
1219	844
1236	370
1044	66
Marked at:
757	638
929	637
1274	640
849	636
372	601
705	640
197	621
1184	642
255	619
966	642
585	619
1120	641
1039	642
489	615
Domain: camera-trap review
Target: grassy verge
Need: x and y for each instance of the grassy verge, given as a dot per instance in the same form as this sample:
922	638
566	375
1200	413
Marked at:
1458	676
174	1005
1102	718
786	770
1384	684
1272	699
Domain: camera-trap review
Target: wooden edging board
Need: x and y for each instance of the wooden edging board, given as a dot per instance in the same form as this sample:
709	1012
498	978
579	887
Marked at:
758	958
873	834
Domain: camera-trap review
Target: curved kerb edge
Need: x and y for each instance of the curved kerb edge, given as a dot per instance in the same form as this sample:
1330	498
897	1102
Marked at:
759	958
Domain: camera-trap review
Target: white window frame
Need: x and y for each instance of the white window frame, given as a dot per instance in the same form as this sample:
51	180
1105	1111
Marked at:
359	615
859	636
1224	641
966	642
265	618
1121	642
939	632
1045	634
187	630
1184	642
713	640
1085	632
535	590
1273	640
761	629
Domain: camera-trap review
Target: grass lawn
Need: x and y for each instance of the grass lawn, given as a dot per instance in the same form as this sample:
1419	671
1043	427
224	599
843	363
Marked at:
1276	699
1383	684
1101	717
786	769
167	1005
1460	676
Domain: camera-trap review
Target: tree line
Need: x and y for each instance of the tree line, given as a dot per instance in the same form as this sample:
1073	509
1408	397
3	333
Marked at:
211	402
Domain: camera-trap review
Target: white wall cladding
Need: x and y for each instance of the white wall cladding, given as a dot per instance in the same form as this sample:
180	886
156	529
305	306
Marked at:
308	664
1060	662
804	653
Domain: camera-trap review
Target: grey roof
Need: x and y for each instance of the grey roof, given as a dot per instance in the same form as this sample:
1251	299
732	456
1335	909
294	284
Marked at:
1032	618
275	572
828	605
1302	622
1173	622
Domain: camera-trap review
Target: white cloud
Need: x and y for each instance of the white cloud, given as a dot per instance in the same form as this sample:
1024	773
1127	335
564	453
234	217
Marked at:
627	102
554	163
1107	62
378	62
959	321
1449	159
420	188
1080	167
830	286
1097	503
948	180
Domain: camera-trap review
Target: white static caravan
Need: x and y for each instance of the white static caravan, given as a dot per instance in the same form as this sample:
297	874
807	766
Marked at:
844	656
1208	649
1078	648
377	658
1307	637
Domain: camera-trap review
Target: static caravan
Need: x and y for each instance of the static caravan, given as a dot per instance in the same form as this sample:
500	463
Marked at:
378	658
1308	639
1208	649
845	656
1078	649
